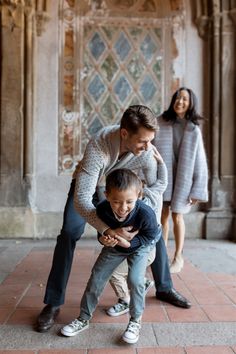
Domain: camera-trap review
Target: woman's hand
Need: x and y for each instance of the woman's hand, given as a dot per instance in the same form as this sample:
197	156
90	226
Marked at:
193	201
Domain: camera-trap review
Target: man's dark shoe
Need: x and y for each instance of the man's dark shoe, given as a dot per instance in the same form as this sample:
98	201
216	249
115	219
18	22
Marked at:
174	298
47	318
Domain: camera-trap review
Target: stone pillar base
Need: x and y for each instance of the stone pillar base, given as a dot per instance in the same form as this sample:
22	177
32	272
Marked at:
220	225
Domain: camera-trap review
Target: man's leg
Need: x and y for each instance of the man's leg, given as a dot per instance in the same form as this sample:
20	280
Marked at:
72	229
161	274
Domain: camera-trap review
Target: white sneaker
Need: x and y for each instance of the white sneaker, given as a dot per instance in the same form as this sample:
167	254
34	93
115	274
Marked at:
75	327
148	285
118	309
131	334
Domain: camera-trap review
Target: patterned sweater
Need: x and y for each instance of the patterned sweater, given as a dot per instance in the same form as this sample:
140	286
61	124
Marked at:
190	179
100	157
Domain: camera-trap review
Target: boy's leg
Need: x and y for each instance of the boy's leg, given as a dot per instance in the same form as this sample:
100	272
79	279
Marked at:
137	268
108	260
119	284
72	229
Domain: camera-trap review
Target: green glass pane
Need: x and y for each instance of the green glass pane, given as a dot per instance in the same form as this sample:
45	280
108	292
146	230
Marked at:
135	33
87	108
109	32
157	68
109	68
158	33
135	68
109	109
156	107
135	100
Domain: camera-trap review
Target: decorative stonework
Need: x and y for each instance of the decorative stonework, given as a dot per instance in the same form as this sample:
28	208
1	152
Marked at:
108	62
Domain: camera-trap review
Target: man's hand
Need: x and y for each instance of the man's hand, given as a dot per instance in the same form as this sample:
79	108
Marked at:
108	241
123	232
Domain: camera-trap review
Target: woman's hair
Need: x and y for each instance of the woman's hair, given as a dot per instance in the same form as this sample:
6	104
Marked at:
191	114
136	117
123	179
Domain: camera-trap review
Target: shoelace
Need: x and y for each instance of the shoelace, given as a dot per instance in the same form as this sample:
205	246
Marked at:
77	324
119	307
133	327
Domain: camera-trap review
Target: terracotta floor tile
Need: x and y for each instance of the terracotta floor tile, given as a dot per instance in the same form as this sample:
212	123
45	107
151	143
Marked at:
24	316
210	296
63	351
234	348
221	313
194	314
17	351
5	313
209	350
112	351
222	278
154	313
172	350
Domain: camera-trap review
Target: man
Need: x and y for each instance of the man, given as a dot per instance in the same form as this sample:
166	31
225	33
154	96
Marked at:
128	145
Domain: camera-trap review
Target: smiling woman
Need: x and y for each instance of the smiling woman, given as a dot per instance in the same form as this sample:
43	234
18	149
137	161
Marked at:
180	143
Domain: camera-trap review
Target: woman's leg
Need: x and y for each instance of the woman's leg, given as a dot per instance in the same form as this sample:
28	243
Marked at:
165	223
179	234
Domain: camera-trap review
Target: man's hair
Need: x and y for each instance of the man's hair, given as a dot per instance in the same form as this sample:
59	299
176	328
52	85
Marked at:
123	179
136	117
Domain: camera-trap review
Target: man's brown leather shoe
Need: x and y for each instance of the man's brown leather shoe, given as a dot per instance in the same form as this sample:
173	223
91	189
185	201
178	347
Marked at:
47	318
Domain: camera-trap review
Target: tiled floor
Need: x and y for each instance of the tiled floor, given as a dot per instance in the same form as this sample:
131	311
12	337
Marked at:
209	327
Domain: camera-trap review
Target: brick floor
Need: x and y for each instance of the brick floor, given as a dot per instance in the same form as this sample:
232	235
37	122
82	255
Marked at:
213	297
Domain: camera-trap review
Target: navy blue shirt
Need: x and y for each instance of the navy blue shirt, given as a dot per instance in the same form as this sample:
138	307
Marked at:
141	218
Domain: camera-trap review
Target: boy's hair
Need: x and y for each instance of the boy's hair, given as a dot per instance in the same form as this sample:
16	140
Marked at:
123	179
138	116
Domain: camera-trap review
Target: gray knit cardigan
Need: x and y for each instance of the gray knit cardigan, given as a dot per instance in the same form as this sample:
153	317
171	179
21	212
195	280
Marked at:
191	179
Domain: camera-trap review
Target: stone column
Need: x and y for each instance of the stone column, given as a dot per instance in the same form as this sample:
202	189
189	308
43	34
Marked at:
220	215
12	186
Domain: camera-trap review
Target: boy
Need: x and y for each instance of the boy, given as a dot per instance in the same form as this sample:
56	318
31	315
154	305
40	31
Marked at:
121	208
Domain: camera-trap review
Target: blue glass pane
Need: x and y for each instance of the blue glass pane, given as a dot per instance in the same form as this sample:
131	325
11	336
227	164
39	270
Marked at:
96	88
122	88
95	126
122	47
96	46
148	48
148	88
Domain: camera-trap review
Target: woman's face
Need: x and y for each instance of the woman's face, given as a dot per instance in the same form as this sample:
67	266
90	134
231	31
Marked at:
181	104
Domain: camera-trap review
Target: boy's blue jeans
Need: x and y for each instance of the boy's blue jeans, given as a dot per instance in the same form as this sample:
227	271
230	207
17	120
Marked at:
103	268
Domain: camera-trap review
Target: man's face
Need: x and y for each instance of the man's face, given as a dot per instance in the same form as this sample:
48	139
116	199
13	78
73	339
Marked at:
136	143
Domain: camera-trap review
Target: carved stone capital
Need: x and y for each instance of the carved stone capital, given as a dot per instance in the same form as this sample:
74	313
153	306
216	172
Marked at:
202	24
41	18
13	10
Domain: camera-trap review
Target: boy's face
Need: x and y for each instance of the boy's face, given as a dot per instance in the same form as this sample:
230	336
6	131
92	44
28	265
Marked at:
122	202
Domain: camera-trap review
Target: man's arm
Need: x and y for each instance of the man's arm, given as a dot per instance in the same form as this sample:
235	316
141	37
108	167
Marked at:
87	178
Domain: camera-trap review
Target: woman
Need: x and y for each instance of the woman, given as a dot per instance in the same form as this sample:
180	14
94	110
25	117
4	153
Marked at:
179	141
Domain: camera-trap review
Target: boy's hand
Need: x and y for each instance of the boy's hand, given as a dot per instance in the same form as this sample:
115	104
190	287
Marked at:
122	242
122	232
157	155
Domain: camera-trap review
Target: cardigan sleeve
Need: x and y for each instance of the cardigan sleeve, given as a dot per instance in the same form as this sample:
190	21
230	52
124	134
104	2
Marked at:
86	182
199	188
